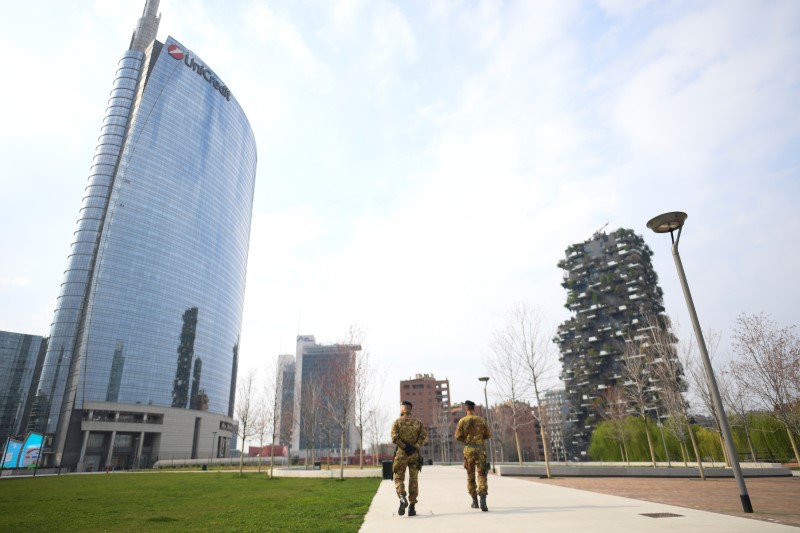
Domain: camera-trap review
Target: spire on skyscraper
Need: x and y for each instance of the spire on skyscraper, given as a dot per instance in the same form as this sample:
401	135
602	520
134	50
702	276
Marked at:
147	27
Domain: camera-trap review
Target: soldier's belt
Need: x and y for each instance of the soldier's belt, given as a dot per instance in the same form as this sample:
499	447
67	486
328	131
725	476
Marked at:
474	446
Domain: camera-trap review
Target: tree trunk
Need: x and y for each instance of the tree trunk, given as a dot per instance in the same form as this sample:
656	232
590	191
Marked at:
724	450
627	457
361	449
241	460
546	451
341	457
794	443
750	443
272	457
649	441
696	450
519	446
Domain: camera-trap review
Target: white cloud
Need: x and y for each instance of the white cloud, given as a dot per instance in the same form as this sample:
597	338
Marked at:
266	26
16	281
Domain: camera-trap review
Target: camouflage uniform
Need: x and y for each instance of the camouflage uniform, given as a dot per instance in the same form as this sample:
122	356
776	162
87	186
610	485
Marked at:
472	430
407	430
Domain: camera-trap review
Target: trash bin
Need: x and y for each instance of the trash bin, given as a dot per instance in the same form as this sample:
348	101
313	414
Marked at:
387	469
205	467
430	462
317	465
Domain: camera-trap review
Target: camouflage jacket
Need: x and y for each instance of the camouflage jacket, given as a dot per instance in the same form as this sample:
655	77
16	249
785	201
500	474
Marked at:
472	430
408	430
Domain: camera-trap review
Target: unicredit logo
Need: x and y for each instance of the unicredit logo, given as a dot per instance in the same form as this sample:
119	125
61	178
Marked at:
175	51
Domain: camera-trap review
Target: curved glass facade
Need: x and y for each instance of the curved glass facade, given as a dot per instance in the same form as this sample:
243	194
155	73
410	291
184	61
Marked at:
151	305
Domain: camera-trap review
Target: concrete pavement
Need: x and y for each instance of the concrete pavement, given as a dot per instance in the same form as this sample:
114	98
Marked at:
519	505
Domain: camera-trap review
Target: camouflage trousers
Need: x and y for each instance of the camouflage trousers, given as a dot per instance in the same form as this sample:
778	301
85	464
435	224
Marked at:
399	465
475	459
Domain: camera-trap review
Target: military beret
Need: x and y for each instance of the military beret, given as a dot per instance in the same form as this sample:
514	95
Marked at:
469	404
406	403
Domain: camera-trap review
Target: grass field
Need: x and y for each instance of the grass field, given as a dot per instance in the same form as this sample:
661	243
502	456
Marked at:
213	501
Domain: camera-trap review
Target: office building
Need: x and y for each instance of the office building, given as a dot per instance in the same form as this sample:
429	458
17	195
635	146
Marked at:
323	387
611	288
21	360
431	400
556	413
285	381
143	354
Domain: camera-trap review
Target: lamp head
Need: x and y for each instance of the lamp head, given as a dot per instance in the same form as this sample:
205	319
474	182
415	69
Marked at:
484	379
667	222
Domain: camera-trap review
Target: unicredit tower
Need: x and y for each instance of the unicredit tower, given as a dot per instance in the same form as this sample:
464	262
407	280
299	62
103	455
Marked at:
143	349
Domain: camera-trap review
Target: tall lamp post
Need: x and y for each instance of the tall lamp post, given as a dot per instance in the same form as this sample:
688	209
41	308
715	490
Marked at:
668	223
489	420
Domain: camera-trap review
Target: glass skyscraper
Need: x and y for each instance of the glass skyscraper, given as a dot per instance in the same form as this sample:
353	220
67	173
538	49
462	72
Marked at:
21	358
144	343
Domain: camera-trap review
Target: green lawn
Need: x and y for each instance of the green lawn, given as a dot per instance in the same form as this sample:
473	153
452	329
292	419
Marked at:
213	501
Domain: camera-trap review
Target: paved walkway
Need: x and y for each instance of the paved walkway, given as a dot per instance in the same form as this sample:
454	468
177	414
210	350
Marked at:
518	505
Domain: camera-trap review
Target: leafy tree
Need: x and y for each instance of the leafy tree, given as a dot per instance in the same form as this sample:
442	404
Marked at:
612	407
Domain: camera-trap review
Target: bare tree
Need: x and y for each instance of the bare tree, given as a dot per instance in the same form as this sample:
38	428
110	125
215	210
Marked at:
528	332
510	381
524	344
376	423
669	374
612	406
770	359
501	426
260	426
364	380
443	427
699	380
287	420
245	412
310	415
341	388
738	402
637	364
273	391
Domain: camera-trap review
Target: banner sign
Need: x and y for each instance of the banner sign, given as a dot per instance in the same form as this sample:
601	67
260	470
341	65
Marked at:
30	450
11	455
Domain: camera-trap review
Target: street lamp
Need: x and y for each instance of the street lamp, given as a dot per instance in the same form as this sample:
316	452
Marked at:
668	223
489	421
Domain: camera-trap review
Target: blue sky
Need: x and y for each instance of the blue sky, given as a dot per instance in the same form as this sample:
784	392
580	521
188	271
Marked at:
423	165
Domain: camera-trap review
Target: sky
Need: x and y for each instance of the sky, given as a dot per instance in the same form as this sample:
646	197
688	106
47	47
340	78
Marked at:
423	165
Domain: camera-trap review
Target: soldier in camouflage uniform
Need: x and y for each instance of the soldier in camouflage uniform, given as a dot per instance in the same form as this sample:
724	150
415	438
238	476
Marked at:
408	434
472	430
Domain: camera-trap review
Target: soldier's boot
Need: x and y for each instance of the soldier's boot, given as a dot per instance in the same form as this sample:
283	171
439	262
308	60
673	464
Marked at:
403	504
474	502
411	510
483	503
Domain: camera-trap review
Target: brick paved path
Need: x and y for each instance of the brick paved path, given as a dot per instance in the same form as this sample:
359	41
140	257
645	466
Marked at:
774	499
